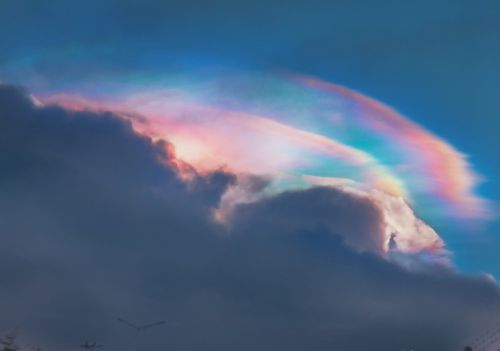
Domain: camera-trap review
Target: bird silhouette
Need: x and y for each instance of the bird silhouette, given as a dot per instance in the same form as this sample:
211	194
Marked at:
140	328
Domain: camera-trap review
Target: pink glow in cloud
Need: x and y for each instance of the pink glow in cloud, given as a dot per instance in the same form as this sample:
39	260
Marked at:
210	137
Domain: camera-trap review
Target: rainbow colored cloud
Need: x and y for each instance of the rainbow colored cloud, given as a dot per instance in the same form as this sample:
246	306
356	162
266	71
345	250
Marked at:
301	131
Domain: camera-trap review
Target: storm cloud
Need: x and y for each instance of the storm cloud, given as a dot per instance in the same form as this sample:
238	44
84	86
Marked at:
96	223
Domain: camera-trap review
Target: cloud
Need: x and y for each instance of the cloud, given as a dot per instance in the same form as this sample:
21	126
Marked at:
411	234
357	220
451	175
302	132
243	141
97	223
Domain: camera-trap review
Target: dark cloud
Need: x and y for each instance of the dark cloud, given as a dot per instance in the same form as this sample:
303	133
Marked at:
356	219
95	224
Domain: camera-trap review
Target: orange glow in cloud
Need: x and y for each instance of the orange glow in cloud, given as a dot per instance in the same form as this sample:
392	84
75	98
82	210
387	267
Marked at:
211	137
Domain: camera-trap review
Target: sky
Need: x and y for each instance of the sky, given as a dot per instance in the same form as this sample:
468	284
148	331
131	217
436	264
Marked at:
305	172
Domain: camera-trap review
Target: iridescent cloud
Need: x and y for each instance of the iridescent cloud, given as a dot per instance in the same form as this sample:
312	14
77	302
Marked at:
301	131
448	174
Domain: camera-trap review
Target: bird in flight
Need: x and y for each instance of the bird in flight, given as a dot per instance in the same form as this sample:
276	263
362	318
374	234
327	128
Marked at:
140	328
89	346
